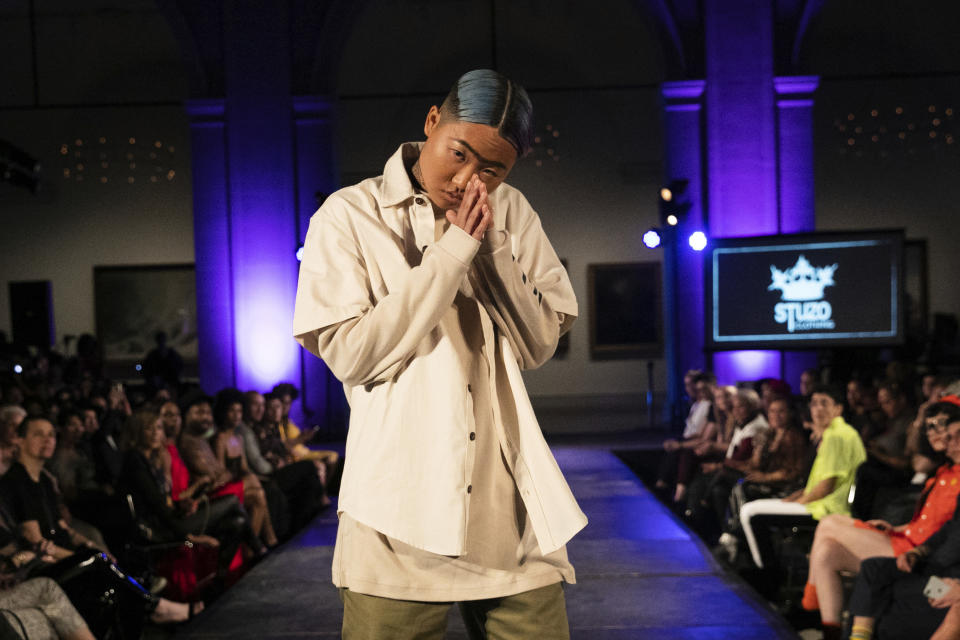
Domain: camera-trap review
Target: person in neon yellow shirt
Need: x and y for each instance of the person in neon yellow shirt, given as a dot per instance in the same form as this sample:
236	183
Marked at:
839	452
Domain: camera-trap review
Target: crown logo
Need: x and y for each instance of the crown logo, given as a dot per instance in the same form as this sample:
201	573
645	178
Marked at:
802	281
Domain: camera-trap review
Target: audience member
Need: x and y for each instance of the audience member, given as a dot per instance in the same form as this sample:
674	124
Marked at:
710	491
776	469
839	452
228	446
888	461
218	522
841	543
888	596
201	460
680	464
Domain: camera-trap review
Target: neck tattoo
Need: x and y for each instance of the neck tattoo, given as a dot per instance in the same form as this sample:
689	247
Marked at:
417	175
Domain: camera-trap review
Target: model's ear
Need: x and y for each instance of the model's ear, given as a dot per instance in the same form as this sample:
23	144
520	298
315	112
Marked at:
433	121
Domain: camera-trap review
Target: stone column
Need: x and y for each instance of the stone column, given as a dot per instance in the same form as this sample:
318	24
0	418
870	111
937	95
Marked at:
683	267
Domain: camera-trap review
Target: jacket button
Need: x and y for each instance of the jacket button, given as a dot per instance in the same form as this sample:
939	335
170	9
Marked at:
419	200
473	435
469	488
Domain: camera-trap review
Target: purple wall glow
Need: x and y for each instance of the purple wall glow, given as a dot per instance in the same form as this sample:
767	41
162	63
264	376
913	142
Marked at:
731	367
211	218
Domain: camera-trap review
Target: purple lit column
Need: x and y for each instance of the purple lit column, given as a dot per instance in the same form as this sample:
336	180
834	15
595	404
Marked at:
741	144
322	399
794	95
263	221
795	151
683	308
211	225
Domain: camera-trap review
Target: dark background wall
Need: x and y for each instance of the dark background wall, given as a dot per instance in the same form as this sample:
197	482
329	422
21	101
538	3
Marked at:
114	70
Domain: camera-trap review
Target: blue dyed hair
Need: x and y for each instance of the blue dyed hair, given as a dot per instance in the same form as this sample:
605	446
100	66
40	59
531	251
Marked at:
483	96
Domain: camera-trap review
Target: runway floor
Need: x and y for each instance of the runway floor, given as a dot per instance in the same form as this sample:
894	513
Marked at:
640	575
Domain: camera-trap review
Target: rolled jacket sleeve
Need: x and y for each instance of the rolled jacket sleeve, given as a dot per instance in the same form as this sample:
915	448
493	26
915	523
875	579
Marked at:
364	337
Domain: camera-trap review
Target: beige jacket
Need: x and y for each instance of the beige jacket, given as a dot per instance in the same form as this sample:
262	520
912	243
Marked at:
378	299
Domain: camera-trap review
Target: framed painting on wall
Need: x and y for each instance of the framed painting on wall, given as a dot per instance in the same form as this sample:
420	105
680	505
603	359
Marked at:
133	303
626	310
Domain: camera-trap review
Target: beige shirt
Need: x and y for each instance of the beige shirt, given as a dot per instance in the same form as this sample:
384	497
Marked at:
429	341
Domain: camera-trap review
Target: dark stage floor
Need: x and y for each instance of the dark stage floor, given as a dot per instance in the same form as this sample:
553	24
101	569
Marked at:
640	573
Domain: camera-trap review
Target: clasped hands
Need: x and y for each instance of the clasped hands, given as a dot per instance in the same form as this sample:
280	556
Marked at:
474	214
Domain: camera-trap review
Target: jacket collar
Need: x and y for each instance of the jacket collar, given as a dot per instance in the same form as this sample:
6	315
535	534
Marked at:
397	187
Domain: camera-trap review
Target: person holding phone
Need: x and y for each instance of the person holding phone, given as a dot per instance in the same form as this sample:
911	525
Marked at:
916	594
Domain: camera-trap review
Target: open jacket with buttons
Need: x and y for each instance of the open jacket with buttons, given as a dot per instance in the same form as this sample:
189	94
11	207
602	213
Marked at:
378	300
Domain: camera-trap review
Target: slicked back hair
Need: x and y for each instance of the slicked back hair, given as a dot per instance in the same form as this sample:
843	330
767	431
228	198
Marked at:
483	96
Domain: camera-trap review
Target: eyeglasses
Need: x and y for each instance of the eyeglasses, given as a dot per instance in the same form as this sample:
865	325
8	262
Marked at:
937	424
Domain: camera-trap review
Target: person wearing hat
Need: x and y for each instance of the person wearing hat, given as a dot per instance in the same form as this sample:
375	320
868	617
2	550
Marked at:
426	290
841	543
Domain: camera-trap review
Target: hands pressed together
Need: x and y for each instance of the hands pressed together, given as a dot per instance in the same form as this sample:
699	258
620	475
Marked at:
474	215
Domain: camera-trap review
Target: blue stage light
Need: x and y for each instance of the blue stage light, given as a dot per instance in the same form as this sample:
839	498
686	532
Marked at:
651	239
17	368
139	367
299	253
698	241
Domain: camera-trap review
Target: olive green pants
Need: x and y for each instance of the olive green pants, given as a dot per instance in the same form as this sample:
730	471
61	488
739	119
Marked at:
534	615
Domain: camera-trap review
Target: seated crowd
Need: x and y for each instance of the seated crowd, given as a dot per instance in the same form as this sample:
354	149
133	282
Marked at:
117	510
874	474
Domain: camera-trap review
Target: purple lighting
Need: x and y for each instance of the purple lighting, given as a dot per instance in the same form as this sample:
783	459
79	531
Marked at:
735	366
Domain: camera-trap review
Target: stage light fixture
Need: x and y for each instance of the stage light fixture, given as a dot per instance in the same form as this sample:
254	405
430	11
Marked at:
698	241
651	239
17	368
299	253
139	367
674	204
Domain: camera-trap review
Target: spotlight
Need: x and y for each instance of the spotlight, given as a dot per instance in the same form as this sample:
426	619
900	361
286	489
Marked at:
674	202
139	367
17	368
299	253
698	241
651	239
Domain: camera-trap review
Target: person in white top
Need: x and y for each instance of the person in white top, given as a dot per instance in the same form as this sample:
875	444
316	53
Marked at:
426	290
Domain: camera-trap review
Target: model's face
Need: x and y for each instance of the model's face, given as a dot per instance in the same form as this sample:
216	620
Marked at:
823	409
40	441
256	406
778	414
454	152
